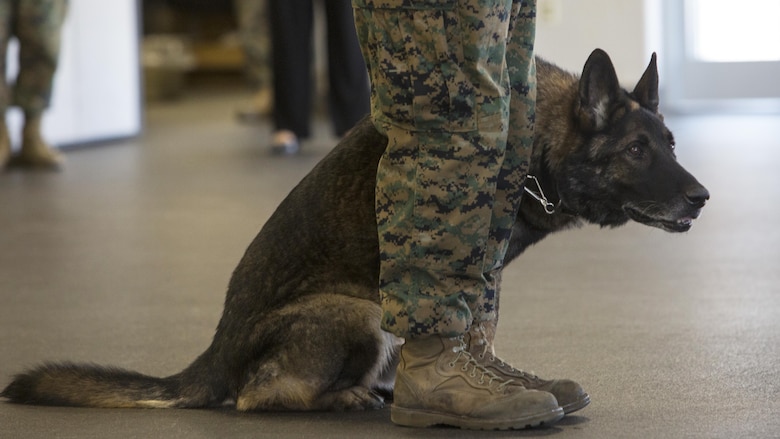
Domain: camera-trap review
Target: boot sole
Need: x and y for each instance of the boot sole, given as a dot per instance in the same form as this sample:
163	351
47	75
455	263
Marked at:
577	405
423	418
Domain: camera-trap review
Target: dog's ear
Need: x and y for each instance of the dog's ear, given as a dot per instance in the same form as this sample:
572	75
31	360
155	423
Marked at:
599	91
646	90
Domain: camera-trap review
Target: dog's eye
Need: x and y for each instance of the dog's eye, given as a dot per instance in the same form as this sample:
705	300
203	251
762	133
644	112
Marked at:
635	150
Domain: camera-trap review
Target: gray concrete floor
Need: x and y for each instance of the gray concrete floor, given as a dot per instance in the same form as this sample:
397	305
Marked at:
123	258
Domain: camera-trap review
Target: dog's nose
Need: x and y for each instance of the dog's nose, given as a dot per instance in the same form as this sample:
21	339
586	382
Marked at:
697	195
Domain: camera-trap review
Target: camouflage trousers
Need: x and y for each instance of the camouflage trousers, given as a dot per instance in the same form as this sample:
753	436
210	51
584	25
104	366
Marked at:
454	89
36	24
254	28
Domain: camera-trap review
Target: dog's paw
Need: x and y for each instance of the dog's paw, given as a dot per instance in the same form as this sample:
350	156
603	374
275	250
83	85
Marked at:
353	398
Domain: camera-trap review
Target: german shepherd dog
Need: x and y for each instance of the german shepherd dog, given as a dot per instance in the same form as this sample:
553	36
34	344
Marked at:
301	323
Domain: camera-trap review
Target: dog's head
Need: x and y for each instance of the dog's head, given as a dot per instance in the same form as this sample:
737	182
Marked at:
624	166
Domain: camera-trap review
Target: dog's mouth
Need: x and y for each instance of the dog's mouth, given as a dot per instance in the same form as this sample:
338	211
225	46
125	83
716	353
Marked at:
675	225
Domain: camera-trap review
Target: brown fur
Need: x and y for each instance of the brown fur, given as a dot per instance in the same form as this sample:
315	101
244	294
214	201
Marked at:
300	328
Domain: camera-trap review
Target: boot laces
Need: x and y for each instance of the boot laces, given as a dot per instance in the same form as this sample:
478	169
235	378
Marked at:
482	341
476	367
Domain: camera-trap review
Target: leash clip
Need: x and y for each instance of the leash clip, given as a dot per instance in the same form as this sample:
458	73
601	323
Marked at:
549	207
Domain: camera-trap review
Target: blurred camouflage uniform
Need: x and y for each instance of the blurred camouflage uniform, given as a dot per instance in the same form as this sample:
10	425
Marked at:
255	34
446	75
36	24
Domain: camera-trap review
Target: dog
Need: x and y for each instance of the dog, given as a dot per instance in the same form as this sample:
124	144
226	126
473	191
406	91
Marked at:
301	323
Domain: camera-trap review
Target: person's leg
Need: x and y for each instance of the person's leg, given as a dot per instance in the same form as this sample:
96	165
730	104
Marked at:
254	33
509	191
6	14
38	29
433	202
433	305
440	93
442	98
347	75
514	168
291	30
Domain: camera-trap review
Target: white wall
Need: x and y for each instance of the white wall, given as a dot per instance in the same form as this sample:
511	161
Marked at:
97	88
628	30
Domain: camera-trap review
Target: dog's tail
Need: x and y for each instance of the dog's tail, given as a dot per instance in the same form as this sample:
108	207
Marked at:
89	385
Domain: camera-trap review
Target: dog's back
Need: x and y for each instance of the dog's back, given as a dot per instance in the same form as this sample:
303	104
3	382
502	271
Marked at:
300	327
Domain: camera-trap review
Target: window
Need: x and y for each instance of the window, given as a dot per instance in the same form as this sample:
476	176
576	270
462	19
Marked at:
723	54
720	32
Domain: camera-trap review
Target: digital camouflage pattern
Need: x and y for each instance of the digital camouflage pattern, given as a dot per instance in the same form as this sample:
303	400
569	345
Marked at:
36	24
446	75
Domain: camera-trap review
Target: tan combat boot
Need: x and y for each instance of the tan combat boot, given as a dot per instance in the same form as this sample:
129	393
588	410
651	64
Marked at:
439	383
570	395
5	144
35	152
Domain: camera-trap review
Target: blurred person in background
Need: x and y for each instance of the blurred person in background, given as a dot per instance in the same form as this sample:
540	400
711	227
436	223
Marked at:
255	35
348	87
37	25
